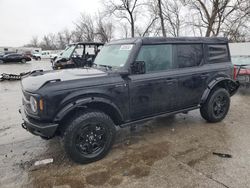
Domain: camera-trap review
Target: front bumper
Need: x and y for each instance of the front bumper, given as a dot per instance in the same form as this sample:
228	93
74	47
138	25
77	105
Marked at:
37	128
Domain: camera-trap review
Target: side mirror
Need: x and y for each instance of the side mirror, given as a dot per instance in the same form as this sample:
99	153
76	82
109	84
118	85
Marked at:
138	67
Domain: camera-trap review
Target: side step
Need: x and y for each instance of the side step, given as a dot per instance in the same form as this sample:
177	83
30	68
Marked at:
158	116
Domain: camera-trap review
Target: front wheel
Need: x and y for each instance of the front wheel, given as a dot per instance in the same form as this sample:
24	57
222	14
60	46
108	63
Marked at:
89	137
217	105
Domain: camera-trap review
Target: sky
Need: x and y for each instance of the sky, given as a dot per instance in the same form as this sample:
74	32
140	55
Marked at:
20	20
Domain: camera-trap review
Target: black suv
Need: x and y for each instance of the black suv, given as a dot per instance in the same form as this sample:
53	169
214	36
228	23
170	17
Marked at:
131	81
14	57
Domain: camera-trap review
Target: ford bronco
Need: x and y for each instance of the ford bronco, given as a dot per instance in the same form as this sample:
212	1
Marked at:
131	81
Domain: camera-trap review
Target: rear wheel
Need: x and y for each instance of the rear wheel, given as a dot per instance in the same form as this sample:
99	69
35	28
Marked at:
23	60
89	137
217	105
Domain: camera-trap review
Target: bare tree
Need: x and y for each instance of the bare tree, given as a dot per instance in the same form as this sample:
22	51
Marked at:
84	30
169	14
125	30
149	19
215	13
67	36
34	41
161	18
104	29
64	38
125	10
238	29
236	33
48	42
172	16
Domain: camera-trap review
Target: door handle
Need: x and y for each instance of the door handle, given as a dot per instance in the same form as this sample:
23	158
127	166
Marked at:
204	75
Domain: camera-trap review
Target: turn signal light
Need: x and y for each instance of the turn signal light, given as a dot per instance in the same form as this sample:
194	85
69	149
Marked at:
41	104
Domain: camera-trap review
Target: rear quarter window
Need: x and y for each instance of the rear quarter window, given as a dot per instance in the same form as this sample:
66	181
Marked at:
217	53
188	55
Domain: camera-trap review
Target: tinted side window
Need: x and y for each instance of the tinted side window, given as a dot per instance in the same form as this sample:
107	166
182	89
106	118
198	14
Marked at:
156	57
188	55
217	53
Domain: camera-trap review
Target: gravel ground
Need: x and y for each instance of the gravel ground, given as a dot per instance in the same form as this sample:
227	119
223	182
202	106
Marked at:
174	151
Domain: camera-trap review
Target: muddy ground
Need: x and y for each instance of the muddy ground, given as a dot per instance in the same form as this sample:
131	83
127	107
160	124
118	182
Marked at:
167	152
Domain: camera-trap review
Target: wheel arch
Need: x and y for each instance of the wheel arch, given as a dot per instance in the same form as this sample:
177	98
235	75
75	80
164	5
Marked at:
230	85
95	103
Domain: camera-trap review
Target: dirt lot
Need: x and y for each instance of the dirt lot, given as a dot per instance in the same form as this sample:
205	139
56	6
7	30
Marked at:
167	152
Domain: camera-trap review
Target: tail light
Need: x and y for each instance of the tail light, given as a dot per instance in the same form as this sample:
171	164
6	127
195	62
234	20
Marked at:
235	72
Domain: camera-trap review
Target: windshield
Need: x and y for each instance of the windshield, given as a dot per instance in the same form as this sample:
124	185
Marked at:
113	55
67	52
241	60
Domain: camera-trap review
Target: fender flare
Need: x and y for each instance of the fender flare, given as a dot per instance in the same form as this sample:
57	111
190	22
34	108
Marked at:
232	87
82	102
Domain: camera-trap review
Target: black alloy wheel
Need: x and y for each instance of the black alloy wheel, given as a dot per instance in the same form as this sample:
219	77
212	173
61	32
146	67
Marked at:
216	106
90	140
220	105
88	136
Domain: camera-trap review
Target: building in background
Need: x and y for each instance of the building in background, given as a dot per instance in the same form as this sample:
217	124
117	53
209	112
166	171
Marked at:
24	50
240	49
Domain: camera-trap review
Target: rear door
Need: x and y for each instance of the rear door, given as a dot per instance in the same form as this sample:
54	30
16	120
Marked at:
192	75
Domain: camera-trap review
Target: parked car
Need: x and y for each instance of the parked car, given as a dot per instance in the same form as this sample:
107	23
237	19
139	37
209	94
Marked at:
242	64
42	55
1	55
132	80
14	57
77	55
5	53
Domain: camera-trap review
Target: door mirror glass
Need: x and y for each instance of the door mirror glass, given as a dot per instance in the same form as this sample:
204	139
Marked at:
138	67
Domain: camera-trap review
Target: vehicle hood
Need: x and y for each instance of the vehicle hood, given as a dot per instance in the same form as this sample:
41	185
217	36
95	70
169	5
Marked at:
36	80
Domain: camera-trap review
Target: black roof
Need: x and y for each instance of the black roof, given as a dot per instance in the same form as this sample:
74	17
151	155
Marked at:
159	40
87	43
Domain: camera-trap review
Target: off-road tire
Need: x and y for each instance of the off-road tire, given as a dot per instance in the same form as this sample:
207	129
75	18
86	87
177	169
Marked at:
45	138
207	109
81	121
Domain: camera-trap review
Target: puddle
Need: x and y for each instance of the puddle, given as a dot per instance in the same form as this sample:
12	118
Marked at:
134	162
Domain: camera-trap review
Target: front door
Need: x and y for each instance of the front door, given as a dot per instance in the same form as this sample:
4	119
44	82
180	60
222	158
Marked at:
155	91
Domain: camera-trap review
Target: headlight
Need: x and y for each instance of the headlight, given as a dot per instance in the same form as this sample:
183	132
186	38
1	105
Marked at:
33	104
